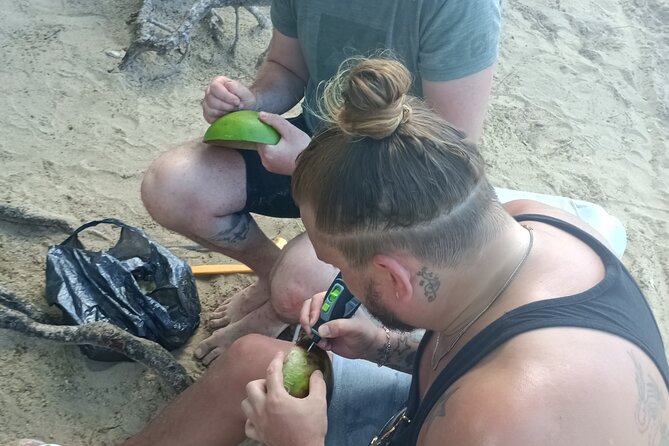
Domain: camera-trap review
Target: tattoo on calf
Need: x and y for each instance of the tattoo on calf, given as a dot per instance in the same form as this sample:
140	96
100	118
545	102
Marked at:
430	283
235	228
651	405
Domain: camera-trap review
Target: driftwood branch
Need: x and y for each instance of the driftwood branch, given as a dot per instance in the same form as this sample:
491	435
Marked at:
147	38
23	217
18	315
12	302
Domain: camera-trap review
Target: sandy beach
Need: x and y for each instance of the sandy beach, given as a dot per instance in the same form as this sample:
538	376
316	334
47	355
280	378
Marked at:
580	108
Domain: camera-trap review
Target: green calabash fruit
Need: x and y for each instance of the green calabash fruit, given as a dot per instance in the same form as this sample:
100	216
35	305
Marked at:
298	365
240	130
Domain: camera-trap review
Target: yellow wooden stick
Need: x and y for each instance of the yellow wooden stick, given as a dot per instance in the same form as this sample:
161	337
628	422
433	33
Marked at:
233	268
230	268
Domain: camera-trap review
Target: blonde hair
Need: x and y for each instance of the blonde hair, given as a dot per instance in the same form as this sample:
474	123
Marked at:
369	99
389	174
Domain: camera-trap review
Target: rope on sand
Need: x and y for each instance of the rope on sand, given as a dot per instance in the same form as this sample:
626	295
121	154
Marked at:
19	315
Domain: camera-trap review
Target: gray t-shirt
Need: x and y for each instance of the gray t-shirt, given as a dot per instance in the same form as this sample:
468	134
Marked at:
437	40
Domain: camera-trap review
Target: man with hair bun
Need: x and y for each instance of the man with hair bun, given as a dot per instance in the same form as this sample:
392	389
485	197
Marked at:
208	194
535	333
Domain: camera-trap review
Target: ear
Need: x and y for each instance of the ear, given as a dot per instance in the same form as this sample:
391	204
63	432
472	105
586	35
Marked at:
395	275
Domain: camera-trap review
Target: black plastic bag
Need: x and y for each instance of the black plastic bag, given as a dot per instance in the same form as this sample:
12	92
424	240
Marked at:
137	285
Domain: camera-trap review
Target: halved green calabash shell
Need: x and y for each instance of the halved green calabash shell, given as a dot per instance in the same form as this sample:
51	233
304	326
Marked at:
241	130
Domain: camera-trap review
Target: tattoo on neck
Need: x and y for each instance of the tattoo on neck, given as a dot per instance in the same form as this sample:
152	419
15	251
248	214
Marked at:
650	407
235	228
430	282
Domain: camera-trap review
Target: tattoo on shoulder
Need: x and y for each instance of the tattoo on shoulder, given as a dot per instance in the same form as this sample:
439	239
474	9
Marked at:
651	406
234	228
430	282
439	409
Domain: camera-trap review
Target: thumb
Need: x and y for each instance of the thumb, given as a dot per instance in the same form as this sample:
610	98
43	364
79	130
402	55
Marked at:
335	328
317	384
279	123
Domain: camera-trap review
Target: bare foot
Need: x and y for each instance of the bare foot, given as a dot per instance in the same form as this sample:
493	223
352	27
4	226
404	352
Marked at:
263	320
237	306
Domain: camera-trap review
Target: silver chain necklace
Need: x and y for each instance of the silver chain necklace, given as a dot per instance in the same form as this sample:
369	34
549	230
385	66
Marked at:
435	361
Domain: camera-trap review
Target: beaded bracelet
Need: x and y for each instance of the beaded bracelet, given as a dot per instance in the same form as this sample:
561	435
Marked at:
386	348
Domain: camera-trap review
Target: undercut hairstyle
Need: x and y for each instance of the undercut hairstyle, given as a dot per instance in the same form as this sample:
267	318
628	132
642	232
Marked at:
388	174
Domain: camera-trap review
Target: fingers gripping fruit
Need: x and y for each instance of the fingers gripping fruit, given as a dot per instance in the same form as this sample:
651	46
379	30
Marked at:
298	366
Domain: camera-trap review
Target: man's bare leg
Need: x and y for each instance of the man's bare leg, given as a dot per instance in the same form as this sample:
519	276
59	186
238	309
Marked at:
198	191
264	320
236	307
297	276
239	306
209	411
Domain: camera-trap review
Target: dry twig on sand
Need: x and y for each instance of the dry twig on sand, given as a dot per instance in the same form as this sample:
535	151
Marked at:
19	315
23	217
147	38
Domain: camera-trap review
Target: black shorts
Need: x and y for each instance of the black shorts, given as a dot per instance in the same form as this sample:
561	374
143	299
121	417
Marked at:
269	193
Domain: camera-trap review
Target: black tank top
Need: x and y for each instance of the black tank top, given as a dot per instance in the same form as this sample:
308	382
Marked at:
615	305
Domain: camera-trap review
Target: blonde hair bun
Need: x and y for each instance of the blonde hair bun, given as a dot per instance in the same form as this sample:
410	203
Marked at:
368	99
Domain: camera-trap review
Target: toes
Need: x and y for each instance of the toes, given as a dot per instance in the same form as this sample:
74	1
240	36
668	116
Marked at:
211	348
216	323
215	353
204	348
222	308
217	314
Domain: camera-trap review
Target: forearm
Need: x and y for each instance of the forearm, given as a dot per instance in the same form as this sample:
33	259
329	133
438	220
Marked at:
277	89
402	352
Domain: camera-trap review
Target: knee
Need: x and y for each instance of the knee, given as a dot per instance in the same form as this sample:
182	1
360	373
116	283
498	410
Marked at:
287	299
297	276
165	187
234	363
245	360
243	348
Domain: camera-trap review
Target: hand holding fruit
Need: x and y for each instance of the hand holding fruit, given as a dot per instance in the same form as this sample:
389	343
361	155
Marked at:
280	158
224	95
276	418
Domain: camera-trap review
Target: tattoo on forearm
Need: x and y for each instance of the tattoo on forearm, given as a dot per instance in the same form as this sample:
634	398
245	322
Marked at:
650	408
430	283
402	353
235	228
402	345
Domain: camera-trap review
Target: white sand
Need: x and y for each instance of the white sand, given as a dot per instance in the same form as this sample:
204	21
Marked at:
580	109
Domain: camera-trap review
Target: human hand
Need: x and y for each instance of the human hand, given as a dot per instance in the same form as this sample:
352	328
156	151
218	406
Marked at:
352	338
275	418
224	95
281	157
